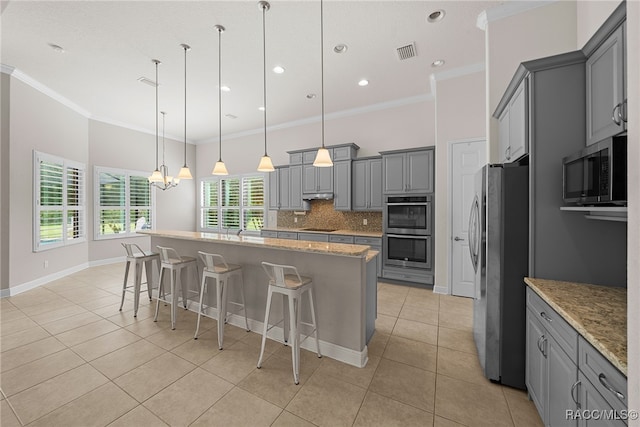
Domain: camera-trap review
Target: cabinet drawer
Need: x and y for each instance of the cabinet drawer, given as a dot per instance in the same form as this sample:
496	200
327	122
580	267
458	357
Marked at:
266	233
313	237
374	242
341	239
564	334
608	380
287	235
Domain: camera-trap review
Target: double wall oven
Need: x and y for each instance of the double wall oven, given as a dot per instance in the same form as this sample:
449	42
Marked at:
407	231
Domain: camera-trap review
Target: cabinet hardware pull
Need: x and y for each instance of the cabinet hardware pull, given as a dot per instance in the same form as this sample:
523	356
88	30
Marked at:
458	239
605	383
545	316
613	114
623	109
544	347
540	345
573	387
507	153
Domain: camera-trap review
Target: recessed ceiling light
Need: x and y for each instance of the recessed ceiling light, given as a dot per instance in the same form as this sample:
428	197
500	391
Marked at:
278	69
340	48
363	82
437	63
261	108
225	88
230	116
311	95
435	16
56	47
147	81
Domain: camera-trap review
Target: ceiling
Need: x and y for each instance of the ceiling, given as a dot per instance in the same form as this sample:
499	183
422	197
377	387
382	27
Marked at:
108	45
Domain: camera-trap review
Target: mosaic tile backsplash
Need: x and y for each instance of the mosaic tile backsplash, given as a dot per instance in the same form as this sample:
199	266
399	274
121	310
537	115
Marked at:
322	215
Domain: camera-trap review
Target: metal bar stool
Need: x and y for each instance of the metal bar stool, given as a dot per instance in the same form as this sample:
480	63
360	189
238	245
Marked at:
173	262
291	287
139	259
217	268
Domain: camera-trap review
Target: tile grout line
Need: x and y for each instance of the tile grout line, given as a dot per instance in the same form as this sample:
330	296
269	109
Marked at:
6	399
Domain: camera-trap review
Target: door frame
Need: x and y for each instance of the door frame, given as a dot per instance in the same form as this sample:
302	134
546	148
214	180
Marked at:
450	145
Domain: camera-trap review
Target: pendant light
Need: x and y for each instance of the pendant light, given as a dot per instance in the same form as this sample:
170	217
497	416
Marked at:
323	159
266	165
156	176
185	173
167	180
219	168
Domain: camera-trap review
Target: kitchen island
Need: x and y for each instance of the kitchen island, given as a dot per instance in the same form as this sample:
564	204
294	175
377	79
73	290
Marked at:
344	280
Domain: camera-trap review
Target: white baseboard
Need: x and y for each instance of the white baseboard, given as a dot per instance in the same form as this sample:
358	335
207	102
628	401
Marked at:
107	261
15	290
443	290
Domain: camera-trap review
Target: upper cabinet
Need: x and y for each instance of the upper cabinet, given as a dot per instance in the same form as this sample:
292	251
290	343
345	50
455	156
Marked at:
513	130
606	87
314	179
285	188
409	171
367	184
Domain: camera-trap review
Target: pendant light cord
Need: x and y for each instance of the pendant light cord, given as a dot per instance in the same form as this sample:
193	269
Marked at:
157	84
185	47
219	95
264	75
163	146
322	66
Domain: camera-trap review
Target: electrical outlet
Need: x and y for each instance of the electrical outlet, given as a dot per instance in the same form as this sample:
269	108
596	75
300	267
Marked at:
295	219
364	221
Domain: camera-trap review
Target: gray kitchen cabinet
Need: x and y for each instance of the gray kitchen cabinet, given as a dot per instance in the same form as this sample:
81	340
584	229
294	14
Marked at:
290	235
592	402
269	233
342	185
367	184
279	188
340	238
513	128
274	190
376	245
408	171
551	366
295	188
313	237
316	180
606	91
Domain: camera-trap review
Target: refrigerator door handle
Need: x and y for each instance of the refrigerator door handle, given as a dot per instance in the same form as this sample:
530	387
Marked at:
473	233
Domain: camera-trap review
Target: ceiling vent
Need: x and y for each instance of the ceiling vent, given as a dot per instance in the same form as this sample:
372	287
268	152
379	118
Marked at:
407	51
147	81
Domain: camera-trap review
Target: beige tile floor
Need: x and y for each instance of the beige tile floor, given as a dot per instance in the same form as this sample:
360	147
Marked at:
69	358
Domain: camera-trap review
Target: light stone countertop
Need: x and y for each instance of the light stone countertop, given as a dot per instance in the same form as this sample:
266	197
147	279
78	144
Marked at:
376	234
340	249
598	313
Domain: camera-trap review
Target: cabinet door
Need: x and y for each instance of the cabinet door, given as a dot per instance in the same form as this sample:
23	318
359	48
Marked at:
285	195
503	135
419	171
309	184
274	189
535	362
359	185
375	184
393	168
605	88
295	187
342	185
518	122
592	402
562	374
324	179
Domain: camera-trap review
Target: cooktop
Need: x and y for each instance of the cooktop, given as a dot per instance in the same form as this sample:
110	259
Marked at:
326	230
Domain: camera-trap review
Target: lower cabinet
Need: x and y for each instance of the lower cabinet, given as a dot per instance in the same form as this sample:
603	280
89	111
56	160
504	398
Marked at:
570	382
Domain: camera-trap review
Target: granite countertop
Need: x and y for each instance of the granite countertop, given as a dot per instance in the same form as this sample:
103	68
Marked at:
371	254
341	232
598	313
341	249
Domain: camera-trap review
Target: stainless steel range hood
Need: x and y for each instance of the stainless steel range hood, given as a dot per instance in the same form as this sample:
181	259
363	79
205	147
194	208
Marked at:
318	196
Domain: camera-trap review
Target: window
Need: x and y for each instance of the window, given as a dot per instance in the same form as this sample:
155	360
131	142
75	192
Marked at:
235	203
59	189
124	203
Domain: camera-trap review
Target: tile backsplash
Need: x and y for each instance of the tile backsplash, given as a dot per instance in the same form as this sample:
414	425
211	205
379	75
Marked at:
322	215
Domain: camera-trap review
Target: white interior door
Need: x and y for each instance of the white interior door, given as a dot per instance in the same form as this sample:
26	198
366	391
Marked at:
467	157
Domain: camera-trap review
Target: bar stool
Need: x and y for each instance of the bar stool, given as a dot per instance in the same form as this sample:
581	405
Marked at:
217	268
291	287
139	259
172	261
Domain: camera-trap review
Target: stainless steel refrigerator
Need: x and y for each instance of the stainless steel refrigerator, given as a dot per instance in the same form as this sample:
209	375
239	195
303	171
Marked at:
498	246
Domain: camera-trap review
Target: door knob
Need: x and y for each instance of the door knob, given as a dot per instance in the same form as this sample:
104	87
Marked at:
458	239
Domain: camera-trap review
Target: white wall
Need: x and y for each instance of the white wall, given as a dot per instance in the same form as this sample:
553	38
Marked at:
406	126
633	231
534	34
460	114
590	16
5	82
37	122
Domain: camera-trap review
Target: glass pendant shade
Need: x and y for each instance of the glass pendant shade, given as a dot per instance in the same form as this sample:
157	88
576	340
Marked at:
156	176
266	165
185	173
220	168
323	159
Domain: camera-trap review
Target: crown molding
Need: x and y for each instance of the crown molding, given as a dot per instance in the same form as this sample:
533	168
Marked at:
459	72
508	9
329	116
124	125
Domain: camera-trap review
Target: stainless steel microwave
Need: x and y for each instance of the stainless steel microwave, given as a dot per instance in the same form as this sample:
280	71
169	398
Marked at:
597	174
